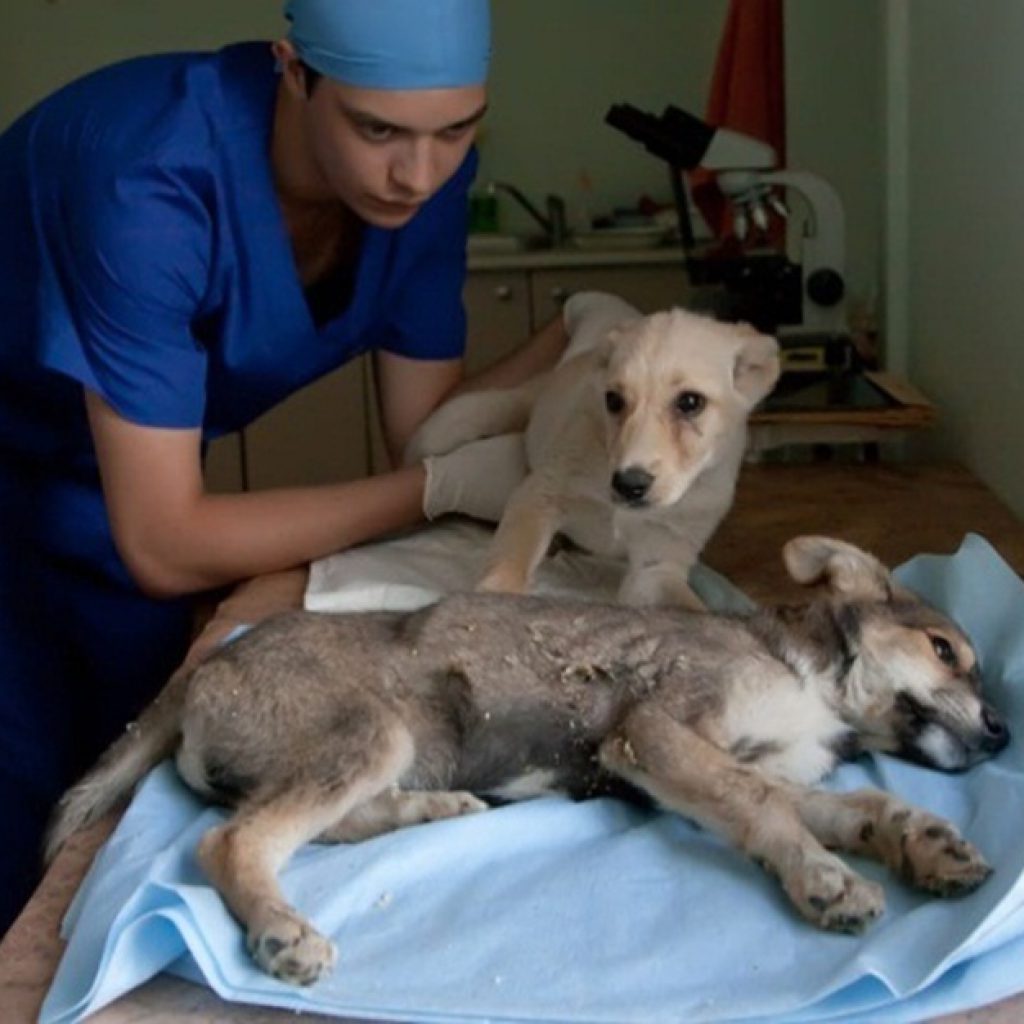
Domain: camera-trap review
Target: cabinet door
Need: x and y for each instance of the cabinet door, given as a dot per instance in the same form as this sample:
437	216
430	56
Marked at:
498	312
222	470
316	436
649	288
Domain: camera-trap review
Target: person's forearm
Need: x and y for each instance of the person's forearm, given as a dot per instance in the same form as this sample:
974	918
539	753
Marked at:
538	355
224	538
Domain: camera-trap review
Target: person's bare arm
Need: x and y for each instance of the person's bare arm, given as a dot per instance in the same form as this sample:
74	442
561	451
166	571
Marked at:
175	538
408	391
537	355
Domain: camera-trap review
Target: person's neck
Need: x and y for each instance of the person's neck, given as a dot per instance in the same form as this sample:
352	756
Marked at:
301	189
324	232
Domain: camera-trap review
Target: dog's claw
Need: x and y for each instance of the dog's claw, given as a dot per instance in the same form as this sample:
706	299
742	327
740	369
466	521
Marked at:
292	951
939	861
836	898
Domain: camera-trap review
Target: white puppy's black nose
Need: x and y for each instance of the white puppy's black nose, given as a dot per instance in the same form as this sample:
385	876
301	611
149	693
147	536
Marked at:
632	484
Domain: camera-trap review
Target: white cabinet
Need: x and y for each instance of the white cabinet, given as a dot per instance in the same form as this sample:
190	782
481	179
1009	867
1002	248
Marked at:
508	297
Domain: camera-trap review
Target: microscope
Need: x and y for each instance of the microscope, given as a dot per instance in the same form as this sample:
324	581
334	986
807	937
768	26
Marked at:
801	302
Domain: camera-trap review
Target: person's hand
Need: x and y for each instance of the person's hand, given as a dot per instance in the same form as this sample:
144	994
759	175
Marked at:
476	479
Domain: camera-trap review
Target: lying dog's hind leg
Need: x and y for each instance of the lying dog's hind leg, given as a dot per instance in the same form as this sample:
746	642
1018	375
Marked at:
243	856
399	808
924	850
687	774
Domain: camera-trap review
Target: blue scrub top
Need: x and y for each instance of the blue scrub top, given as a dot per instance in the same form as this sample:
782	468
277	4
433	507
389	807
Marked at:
144	255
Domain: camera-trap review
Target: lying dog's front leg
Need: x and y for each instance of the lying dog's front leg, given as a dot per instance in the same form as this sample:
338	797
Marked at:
687	774
925	850
530	522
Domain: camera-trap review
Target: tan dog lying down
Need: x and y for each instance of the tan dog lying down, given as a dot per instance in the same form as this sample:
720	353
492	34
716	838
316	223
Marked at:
340	727
634	443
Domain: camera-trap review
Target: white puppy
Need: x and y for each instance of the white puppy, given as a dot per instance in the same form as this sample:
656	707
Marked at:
634	442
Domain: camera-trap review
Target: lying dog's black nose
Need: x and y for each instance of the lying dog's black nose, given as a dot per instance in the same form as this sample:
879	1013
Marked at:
632	484
997	735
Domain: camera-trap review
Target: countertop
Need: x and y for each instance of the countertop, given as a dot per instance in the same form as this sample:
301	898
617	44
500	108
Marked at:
571	256
895	511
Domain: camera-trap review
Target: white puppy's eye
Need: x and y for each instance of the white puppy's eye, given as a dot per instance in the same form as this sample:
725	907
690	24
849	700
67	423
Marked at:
690	403
944	650
614	402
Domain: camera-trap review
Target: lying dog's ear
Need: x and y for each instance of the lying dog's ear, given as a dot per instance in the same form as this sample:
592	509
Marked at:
757	364
851	572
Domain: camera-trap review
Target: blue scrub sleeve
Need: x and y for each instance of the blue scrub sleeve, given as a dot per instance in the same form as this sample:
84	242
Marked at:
126	262
427	319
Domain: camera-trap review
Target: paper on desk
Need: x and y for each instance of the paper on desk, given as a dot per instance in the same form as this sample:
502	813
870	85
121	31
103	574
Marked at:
415	569
590	912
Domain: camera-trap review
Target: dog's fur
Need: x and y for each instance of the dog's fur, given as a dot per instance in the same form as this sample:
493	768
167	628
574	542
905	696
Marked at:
634	443
336	727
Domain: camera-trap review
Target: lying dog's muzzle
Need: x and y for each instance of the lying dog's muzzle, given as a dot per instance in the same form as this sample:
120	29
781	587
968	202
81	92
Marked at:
995	732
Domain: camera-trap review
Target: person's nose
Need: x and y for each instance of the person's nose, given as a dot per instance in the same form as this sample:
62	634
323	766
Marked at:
414	170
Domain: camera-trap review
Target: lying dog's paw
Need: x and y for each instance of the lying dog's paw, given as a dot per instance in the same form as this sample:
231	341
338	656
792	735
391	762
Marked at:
937	859
833	897
451	804
290	949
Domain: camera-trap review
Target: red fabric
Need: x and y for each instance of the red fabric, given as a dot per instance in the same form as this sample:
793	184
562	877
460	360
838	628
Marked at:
748	95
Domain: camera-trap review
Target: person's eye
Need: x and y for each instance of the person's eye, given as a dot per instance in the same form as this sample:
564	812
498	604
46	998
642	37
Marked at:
457	132
376	132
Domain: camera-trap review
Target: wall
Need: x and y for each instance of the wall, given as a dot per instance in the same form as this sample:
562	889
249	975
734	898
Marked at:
558	67
965	232
46	43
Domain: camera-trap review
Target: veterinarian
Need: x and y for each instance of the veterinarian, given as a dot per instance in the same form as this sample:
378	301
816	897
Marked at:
187	239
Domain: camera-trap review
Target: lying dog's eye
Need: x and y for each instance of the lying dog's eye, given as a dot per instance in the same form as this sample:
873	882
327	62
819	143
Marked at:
689	403
944	650
614	402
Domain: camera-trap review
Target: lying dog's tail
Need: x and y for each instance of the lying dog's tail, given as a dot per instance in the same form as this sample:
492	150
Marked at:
144	745
473	416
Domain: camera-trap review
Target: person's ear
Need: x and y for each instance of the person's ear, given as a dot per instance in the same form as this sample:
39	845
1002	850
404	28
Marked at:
290	66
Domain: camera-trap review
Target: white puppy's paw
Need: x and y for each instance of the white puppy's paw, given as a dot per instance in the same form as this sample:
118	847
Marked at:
288	948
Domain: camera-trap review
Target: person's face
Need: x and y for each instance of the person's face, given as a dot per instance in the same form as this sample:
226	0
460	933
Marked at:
384	153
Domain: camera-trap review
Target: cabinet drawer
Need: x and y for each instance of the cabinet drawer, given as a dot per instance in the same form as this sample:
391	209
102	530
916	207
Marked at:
498	314
648	288
316	436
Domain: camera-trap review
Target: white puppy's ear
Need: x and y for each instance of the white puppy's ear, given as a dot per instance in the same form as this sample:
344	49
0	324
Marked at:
590	316
850	572
757	364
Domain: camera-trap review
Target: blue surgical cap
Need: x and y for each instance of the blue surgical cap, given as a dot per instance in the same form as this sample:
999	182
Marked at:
394	44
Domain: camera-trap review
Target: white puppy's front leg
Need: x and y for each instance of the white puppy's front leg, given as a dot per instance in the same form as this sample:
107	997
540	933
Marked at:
665	583
531	519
